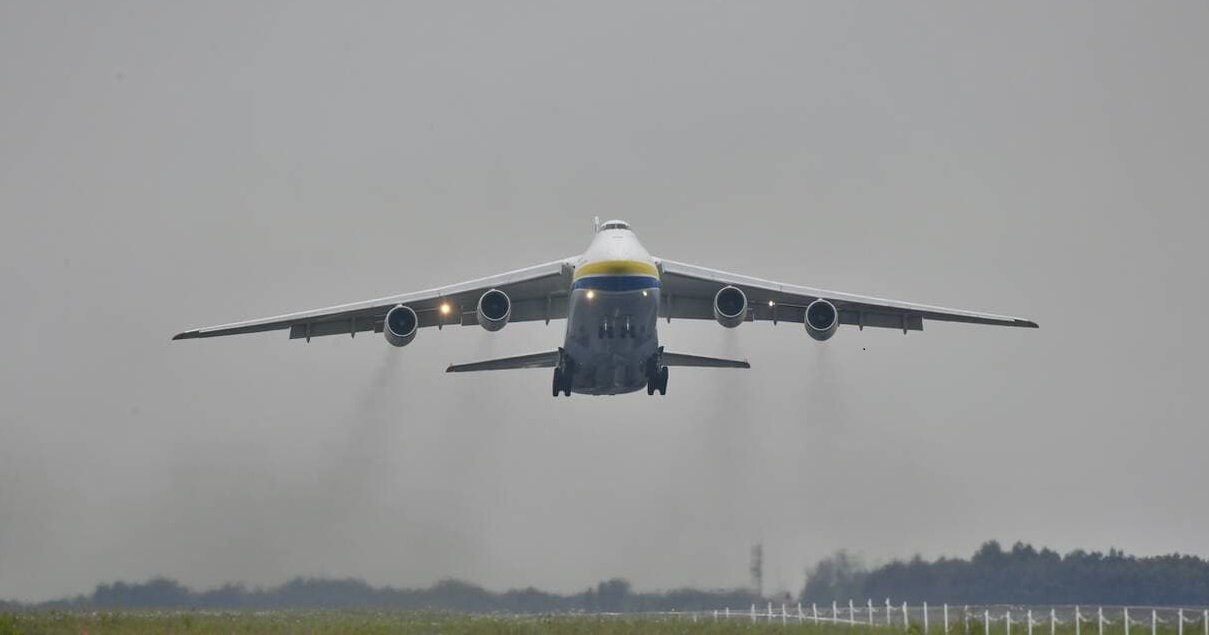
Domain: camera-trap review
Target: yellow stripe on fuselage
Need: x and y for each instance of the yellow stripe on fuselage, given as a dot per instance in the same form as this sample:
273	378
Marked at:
616	268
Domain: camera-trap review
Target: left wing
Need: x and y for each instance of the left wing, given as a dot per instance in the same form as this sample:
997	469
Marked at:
687	291
537	293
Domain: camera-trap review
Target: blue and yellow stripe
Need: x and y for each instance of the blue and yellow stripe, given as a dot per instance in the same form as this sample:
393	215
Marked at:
615	275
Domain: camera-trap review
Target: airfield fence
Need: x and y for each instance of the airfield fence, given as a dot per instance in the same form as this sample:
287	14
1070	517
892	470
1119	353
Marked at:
998	619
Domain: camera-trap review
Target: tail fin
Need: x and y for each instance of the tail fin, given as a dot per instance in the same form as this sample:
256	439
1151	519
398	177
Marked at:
536	360
679	359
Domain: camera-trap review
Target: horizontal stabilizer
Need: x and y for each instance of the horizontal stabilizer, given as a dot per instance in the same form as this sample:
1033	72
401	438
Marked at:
678	359
536	360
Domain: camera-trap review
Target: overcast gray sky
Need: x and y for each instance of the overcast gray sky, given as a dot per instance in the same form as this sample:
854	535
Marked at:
172	165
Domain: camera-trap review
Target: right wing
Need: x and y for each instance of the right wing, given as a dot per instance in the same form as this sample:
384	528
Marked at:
688	292
537	293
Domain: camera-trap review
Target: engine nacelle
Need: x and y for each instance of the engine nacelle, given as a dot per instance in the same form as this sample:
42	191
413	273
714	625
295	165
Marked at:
730	306
822	319
400	325
494	309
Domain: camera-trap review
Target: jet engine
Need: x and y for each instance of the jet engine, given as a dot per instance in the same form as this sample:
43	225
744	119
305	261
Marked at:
494	309
400	325
822	319
730	306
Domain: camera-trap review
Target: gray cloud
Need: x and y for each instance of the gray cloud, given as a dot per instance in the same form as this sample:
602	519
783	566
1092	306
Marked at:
163	167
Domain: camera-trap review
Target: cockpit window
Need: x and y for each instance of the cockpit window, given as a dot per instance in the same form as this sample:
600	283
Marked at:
614	225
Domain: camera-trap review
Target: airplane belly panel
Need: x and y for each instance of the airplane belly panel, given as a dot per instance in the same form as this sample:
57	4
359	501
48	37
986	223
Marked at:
610	337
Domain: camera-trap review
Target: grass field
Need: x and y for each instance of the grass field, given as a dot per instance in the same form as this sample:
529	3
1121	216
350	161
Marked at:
341	622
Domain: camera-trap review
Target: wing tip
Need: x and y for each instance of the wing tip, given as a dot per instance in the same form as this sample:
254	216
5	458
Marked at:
1028	324
187	335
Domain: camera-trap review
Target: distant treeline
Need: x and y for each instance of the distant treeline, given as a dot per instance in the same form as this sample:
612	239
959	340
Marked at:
1022	575
450	595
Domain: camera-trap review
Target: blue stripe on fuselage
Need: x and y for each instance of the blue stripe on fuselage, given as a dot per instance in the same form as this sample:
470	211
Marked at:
616	283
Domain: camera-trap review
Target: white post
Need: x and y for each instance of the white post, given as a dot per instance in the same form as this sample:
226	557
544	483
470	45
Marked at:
715	615
801	615
1205	621
784	615
1030	622
906	618
965	611
814	612
1126	620
1053	621
869	607
986	622
888	612
925	618
1100	619
1007	619
946	618
1078	618
835	613
753	612
1181	629
728	613
1154	622
851	614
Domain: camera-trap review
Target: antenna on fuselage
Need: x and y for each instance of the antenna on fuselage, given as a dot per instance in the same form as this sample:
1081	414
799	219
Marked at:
595	224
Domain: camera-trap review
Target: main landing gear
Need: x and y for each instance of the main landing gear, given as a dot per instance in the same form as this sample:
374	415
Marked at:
656	376
563	375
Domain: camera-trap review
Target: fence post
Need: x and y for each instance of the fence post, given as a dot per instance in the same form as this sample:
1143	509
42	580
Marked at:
784	616
888	613
715	615
1078	619
906	618
946	618
1007	619
835	613
965	613
801	615
1205	621
1181	618
753	612
851	613
1053	620
1154	622
869	606
1030	622
814	612
770	611
1125	611
986	621
728	613
925	618
1100	619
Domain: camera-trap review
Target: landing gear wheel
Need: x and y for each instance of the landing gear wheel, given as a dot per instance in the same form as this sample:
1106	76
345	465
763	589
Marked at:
663	380
557	386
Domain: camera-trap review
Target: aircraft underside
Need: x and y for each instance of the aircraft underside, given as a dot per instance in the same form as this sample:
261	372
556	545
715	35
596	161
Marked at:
612	344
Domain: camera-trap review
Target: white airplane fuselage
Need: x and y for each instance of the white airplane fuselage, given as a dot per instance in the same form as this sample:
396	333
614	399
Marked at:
612	314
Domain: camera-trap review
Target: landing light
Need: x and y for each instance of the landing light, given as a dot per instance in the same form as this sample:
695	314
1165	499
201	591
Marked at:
445	309
591	294
644	294
771	303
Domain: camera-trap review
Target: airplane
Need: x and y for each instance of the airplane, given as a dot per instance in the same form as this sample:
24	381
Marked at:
612	297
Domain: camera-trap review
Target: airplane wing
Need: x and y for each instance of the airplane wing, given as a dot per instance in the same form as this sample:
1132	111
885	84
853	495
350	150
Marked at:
687	291
537	293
